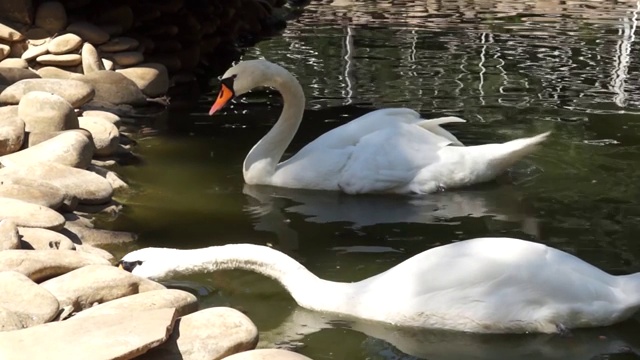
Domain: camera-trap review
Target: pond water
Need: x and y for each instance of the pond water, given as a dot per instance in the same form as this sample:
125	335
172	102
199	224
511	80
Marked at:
510	68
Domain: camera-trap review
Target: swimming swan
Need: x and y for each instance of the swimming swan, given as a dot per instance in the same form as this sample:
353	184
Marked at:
484	285
385	151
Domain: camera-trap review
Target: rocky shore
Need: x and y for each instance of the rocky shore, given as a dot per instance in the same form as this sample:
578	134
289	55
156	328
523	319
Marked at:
74	75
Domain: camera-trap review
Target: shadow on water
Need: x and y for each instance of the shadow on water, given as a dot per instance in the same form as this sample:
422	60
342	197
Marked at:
510	68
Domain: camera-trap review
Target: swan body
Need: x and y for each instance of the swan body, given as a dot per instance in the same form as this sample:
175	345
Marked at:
484	285
385	151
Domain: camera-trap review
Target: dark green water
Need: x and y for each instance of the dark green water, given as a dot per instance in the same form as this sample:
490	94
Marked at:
512	69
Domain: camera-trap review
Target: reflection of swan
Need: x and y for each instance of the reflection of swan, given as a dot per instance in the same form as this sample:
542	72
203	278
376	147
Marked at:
389	150
488	285
499	203
448	345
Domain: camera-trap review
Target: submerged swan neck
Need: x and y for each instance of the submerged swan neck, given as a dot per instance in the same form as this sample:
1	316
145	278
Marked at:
260	164
308	290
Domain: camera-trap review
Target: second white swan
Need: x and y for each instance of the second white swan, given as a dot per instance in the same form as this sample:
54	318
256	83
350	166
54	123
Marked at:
385	151
484	285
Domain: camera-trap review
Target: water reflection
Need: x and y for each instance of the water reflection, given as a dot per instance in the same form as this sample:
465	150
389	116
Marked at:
582	344
461	55
272	206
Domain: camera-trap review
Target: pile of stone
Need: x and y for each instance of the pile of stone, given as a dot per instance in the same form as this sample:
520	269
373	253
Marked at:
114	314
154	43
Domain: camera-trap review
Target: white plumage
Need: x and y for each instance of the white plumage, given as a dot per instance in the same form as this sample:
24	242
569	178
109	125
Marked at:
385	151
485	285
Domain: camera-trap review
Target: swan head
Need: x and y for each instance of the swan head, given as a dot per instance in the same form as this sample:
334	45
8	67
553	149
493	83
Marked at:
152	263
244	77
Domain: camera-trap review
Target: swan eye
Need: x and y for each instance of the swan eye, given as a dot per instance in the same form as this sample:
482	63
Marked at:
228	81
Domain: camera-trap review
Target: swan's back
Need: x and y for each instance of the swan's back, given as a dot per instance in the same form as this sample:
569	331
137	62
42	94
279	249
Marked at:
350	133
495	284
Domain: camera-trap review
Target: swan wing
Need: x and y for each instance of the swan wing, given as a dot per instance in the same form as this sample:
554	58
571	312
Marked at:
352	132
502	263
433	125
500	282
389	158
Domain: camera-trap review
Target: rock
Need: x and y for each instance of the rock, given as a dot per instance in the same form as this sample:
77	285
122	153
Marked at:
74	91
31	303
70	148
87	187
112	118
37	36
17	48
9	76
117	44
40	265
113	88
127	58
121	15
151	78
105	134
89	32
77	220
96	251
267	354
11	134
111	208
112	177
184	302
50	196
170	60
91	61
48	193
51	16
36	137
9	239
46	112
9	33
43	239
60	60
212	333
108	64
4	51
30	215
100	337
90	236
52	72
35	51
17	10
112	29
64	44
85	286
14	64
167	45
8	320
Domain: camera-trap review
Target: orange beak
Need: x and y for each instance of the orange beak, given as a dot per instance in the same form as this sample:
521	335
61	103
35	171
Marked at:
223	97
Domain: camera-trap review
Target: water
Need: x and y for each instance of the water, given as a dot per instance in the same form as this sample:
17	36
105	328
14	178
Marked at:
511	68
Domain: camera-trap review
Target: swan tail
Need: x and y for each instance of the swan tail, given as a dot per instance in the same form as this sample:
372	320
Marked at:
433	125
490	160
514	150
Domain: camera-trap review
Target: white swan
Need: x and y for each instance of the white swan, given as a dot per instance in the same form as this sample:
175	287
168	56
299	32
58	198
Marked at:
385	151
489	285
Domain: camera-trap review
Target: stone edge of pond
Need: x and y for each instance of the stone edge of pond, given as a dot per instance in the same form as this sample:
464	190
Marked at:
77	79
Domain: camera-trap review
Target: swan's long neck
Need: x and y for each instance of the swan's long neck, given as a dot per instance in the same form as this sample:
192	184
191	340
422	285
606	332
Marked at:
308	290
260	164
